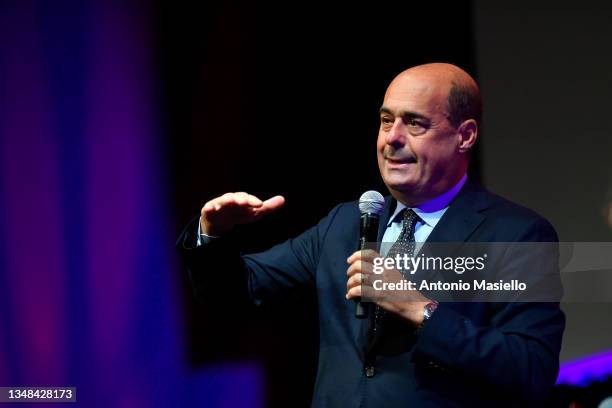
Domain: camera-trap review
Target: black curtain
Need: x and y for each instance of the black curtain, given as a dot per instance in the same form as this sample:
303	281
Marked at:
283	99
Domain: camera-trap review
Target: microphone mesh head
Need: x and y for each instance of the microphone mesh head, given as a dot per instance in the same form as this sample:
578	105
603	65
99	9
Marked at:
371	202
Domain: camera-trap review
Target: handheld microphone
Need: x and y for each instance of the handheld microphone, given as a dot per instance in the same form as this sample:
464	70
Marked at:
371	204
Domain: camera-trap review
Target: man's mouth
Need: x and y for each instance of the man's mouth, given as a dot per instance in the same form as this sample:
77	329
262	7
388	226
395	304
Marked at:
400	160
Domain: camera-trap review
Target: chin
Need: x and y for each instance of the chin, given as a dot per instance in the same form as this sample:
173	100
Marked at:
392	178
403	185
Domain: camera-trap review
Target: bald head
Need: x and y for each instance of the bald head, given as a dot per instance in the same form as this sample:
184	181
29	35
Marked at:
459	88
428	126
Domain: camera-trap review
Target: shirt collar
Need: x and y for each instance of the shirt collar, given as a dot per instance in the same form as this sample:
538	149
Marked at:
429	211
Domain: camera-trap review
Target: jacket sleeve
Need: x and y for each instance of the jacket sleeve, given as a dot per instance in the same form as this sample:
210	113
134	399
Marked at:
517	351
218	268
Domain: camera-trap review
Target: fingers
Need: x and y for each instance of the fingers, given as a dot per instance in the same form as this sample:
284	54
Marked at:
271	204
359	279
221	214
353	293
244	199
359	266
355	283
358	284
237	199
367	255
359	273
240	199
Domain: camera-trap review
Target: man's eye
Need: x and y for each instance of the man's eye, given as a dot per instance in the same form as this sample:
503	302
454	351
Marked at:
386	120
415	126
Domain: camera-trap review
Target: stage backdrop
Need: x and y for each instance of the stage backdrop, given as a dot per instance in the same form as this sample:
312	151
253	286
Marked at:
89	292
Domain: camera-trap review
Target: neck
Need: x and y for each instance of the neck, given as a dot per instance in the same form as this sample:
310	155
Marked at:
434	199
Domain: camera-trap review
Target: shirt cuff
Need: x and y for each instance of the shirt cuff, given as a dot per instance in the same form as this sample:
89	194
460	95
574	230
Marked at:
203	238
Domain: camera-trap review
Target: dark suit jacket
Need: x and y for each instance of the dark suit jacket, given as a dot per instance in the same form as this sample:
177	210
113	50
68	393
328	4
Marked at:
467	354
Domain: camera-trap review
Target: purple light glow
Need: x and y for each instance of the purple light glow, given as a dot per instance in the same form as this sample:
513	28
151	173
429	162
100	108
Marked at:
586	370
118	157
88	281
30	208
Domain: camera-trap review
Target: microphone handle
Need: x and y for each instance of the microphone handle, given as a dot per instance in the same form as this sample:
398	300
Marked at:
368	235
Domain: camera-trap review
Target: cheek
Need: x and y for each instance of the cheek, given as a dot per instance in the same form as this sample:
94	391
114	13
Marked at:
421	149
433	153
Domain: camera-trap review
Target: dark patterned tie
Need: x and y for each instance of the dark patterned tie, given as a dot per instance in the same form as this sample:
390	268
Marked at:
405	244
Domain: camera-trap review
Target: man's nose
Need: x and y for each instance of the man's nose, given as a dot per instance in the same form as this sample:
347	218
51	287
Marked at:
397	134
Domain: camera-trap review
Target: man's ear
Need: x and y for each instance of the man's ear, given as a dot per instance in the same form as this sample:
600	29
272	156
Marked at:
468	132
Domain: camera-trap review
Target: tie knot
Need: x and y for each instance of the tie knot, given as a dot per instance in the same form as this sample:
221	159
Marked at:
410	219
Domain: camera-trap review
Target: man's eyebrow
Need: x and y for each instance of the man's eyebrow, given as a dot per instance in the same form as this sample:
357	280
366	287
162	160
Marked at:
403	114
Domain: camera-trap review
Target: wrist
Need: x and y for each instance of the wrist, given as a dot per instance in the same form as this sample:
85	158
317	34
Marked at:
414	313
208	230
428	310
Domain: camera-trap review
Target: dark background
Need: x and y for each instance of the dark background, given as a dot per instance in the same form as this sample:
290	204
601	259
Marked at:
284	100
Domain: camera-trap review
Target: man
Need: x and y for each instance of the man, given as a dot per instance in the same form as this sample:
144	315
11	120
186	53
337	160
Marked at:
412	351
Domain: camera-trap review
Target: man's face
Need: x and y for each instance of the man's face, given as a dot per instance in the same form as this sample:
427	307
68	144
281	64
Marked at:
417	145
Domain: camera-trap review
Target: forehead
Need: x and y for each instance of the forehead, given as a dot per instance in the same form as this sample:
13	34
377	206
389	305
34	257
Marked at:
425	95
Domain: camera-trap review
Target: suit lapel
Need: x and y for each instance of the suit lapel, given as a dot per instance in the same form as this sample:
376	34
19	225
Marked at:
456	227
462	217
